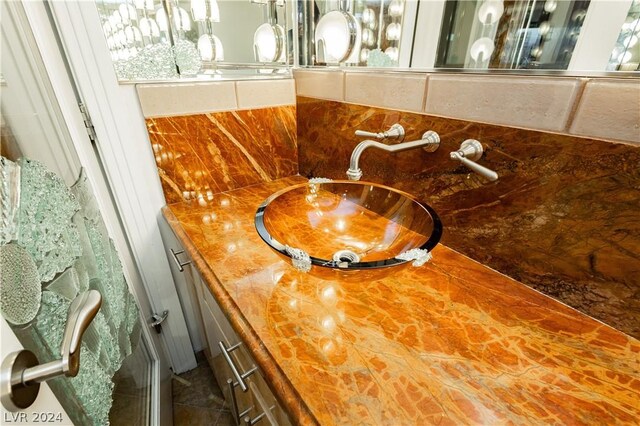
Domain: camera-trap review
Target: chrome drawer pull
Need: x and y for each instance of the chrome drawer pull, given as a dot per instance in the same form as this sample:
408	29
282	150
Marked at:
248	421
234	403
181	265
239	377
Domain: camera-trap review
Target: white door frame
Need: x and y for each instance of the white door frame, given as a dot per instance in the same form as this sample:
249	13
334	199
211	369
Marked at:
67	128
125	154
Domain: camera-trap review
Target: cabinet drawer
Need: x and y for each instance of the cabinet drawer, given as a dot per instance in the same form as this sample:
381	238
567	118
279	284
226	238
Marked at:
218	329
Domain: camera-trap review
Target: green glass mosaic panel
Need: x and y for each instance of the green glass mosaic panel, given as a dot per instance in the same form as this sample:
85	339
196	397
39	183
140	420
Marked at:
61	232
19	285
45	228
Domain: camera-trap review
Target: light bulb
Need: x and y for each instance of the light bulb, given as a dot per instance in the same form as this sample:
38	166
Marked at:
116	19
624	57
137	35
210	48
393	31
181	19
106	28
550	6
396	7
128	32
368	37
482	48
268	41
630	41
536	52
214	10
145	27
161	19
368	16
490	12
199	10
124	13
544	28
364	55
335	32
155	30
392	52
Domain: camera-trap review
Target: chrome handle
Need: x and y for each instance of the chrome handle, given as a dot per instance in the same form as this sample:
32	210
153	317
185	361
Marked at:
234	403
395	132
267	411
469	151
181	265
20	374
234	370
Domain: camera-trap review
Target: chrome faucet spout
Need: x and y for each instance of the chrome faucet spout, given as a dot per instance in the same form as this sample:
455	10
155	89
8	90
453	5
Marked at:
430	141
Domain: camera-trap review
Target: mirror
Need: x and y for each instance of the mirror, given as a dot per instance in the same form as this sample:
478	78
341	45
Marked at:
167	39
579	36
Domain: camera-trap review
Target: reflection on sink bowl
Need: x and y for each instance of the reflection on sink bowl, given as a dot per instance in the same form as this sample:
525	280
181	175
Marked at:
345	226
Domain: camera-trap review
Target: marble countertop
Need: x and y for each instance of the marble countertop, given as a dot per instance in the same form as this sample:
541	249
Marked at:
452	342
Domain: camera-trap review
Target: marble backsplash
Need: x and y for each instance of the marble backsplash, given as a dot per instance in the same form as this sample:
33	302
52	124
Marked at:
203	154
564	217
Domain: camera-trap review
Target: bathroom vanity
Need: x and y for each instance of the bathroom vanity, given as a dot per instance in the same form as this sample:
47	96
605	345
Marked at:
451	342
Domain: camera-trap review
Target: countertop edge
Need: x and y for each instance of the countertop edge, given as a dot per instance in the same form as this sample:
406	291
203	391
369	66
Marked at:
277	380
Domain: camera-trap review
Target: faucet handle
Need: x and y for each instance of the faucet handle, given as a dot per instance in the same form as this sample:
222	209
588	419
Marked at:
469	152
395	132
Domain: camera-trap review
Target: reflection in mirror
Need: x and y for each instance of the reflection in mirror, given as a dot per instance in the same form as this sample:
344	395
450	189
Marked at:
166	39
510	34
574	35
358	32
626	53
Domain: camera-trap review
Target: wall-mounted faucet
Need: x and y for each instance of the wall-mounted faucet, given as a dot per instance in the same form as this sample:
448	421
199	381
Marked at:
469	152
395	133
430	142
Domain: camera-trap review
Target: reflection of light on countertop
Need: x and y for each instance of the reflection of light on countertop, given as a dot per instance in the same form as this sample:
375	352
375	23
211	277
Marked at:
277	276
224	202
328	323
231	247
327	346
341	225
228	226
329	294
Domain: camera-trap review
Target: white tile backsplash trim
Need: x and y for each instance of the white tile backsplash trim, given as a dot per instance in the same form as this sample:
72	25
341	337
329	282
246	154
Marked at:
265	93
172	99
609	109
540	103
320	84
394	91
165	99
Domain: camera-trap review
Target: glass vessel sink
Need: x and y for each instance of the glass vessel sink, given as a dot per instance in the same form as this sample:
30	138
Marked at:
337	226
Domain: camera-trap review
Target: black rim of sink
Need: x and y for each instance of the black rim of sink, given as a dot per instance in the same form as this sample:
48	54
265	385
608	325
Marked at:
279	247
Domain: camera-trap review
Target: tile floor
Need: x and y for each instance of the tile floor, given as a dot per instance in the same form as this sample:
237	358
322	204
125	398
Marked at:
200	402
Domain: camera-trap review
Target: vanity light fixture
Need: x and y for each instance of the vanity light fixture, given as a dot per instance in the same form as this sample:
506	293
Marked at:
269	38
210	48
481	50
396	7
205	12
144	5
490	12
337	36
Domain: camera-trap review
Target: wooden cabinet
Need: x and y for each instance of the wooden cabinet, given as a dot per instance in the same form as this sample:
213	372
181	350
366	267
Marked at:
251	402
256	404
